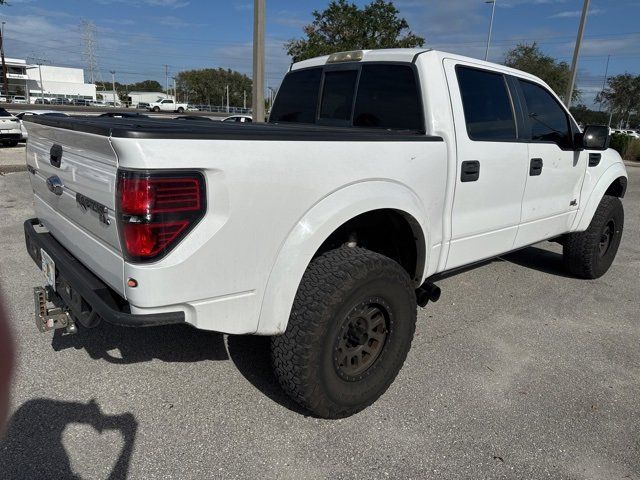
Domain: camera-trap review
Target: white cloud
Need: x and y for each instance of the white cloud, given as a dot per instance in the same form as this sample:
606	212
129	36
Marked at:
577	13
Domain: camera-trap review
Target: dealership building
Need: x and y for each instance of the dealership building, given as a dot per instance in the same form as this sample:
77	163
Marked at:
33	81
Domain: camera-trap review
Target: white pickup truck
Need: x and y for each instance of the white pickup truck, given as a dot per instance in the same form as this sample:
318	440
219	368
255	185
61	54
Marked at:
327	226
167	105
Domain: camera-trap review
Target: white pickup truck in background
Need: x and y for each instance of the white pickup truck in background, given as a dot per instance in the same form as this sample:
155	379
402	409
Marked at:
377	172
167	105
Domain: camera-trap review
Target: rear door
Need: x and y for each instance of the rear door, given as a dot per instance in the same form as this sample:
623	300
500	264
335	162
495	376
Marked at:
556	171
492	163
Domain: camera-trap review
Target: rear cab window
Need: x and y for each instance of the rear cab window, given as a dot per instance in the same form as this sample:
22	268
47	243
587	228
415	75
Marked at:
488	107
365	95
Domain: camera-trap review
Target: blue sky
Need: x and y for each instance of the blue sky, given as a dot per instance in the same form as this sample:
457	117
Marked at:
138	37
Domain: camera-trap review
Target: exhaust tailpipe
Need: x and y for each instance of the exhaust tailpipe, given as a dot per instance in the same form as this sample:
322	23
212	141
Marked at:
427	292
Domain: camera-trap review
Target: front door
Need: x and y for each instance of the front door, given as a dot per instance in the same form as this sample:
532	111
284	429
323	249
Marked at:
556	171
492	164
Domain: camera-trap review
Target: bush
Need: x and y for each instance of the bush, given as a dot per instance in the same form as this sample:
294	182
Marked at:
633	151
620	143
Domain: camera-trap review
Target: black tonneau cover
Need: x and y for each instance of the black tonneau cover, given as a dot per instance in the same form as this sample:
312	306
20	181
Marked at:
179	129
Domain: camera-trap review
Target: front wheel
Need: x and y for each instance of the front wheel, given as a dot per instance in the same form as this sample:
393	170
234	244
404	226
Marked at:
349	332
156	109
589	254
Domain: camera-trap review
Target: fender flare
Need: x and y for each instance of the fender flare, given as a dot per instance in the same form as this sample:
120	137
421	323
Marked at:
315	226
609	176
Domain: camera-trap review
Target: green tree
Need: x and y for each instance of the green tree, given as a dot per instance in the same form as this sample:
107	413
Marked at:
344	26
622	96
586	116
530	58
209	86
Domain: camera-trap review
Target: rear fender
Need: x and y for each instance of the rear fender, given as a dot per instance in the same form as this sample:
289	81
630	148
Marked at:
317	224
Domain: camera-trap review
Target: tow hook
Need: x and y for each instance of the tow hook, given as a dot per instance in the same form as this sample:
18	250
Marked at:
48	319
427	292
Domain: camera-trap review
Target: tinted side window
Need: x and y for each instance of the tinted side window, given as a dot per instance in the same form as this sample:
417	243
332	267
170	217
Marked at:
337	95
297	98
487	107
547	119
387	98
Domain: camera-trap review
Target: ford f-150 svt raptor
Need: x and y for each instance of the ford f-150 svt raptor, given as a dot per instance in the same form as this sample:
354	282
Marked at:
325	227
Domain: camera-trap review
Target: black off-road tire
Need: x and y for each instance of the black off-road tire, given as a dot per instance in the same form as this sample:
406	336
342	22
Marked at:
589	254
180	110
156	109
337	294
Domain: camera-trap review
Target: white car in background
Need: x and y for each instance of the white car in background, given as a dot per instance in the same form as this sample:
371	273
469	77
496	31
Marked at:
19	99
10	129
27	113
238	119
167	105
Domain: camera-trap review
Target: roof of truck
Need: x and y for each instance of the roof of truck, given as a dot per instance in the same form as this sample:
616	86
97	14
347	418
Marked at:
410	55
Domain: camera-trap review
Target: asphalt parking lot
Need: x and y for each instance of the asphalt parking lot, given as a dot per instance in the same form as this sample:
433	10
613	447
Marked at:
519	371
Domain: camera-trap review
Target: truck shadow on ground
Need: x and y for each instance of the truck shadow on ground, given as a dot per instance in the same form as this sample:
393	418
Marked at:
252	357
180	343
33	447
539	259
122	345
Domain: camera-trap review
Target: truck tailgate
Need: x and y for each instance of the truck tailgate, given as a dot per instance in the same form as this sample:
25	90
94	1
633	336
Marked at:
82	214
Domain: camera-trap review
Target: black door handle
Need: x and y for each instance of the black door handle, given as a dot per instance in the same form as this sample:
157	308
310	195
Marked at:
470	171
535	167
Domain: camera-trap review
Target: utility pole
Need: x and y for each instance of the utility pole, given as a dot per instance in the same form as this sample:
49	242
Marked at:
258	60
227	98
604	82
113	85
166	75
41	84
5	82
244	99
493	14
175	93
576	54
39	62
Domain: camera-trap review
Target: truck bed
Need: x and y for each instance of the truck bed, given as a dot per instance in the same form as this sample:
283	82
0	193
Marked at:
145	128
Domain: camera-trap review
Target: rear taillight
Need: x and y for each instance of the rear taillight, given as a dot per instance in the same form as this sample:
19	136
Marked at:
157	209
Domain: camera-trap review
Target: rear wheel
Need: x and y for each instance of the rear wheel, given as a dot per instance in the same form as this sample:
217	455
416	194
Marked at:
180	110
349	332
589	254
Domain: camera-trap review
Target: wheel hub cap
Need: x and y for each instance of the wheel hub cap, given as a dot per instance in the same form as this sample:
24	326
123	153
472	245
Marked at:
605	238
361	338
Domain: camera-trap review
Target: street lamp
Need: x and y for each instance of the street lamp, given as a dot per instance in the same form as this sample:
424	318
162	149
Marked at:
493	13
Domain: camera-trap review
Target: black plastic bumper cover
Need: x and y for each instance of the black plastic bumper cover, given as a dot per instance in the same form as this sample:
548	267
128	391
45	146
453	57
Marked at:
83	293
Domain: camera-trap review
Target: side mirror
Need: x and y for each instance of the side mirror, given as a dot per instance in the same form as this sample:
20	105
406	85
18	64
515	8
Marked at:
595	137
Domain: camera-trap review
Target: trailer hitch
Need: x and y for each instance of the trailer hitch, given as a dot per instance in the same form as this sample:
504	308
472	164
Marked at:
48	319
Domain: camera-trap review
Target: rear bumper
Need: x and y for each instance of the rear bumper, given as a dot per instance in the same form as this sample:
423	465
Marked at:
87	297
11	136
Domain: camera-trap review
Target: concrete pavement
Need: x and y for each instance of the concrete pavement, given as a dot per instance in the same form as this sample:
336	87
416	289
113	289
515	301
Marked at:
518	372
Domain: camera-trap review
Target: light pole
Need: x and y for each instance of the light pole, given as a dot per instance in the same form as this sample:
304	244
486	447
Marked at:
5	82
493	13
576	54
113	85
257	102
